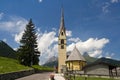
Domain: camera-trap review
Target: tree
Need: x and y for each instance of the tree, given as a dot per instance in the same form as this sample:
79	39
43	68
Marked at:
28	52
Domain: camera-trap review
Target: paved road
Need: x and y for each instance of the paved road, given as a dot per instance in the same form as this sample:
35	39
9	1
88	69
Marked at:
38	76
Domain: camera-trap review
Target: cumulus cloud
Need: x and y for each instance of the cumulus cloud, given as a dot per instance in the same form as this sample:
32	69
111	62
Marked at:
92	46
47	45
14	24
46	39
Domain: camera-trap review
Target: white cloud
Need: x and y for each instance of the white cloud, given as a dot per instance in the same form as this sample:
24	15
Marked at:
47	45
46	39
14	24
70	47
92	46
74	39
40	1
68	33
18	36
1	15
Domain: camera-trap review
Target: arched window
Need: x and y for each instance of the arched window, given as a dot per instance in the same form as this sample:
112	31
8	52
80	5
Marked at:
62	33
62	41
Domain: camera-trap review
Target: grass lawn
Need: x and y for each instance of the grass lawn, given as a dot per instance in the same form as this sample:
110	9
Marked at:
10	65
38	67
92	78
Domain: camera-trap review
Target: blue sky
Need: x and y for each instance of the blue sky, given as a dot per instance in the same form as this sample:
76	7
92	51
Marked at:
92	25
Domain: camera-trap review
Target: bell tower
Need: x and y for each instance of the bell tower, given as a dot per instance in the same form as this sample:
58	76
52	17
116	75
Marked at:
61	44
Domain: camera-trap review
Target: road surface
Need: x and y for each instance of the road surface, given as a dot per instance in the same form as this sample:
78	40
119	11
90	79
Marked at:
38	76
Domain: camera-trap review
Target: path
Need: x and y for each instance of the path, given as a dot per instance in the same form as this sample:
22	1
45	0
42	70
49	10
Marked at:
42	76
38	76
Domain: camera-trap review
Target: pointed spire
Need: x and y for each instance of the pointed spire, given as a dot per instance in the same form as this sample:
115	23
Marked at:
62	25
62	17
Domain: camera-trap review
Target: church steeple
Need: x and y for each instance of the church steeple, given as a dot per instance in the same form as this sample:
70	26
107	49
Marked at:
61	44
62	24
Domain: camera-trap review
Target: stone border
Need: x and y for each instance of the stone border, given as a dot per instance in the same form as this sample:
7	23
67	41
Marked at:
15	75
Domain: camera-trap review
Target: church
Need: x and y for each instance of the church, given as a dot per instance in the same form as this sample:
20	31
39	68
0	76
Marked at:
75	61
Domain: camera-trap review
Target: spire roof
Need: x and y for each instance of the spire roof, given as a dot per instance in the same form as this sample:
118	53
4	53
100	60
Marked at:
75	55
62	24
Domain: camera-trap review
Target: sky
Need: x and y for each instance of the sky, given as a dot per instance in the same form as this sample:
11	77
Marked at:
91	25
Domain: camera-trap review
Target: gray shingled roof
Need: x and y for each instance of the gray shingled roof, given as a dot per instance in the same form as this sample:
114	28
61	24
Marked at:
109	62
75	55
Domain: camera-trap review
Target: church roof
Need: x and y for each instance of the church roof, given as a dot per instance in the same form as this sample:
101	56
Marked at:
75	55
109	62
62	24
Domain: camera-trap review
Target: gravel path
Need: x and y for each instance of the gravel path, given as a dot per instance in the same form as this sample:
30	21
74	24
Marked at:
39	76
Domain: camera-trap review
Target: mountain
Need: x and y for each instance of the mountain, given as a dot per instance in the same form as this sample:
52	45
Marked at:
88	58
6	50
51	62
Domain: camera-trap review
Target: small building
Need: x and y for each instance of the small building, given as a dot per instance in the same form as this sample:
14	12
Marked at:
102	67
75	61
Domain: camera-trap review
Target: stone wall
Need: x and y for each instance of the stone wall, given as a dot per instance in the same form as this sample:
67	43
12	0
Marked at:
15	75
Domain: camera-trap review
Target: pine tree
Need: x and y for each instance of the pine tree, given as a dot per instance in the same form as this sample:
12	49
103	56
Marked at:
28	52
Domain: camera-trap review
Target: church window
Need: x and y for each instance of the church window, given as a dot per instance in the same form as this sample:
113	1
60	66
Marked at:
62	33
62	46
62	41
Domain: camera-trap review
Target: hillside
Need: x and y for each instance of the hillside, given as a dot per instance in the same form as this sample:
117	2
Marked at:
10	65
6	50
88	58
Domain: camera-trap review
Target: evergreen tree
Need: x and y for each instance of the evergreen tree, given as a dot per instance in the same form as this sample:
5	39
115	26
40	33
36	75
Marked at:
28	52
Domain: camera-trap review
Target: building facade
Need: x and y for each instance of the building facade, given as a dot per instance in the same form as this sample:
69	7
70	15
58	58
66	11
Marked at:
103	67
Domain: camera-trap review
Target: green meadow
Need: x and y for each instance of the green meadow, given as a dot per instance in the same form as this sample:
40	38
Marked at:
8	65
